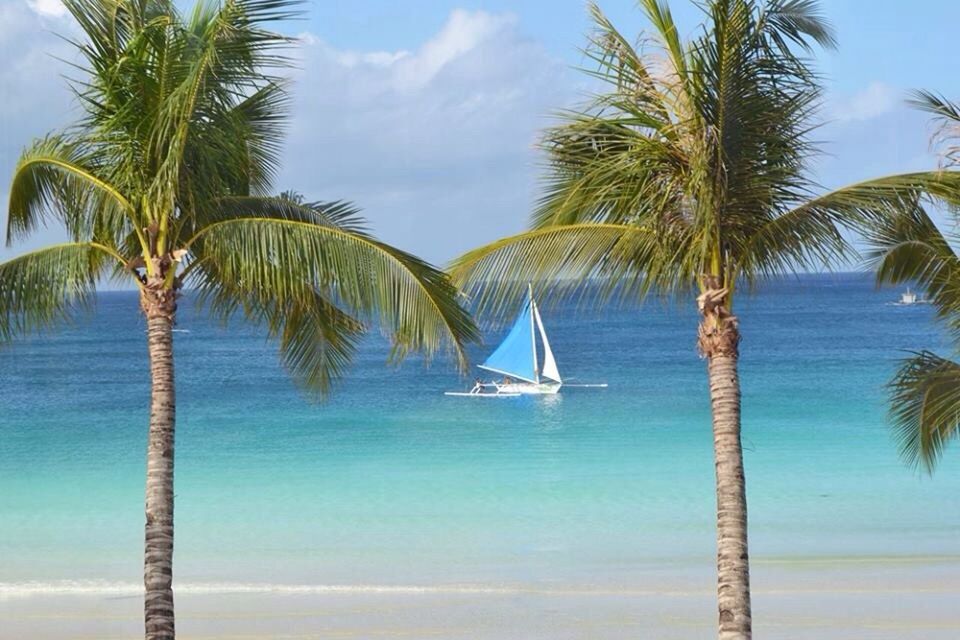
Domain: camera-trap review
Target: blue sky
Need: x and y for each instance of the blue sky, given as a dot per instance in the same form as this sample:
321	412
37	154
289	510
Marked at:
889	40
426	113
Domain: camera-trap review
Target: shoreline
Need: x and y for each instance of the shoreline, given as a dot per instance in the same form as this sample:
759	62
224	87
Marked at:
688	571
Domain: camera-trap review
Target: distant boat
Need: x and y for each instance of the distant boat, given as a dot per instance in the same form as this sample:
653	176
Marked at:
517	359
909	297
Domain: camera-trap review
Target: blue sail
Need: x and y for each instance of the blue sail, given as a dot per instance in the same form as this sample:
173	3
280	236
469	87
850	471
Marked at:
515	356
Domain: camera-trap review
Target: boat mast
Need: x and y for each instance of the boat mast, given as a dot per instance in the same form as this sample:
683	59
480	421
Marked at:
533	334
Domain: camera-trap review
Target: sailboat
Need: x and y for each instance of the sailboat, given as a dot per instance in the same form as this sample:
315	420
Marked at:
517	359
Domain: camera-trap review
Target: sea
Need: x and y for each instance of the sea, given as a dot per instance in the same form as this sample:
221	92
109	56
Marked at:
391	483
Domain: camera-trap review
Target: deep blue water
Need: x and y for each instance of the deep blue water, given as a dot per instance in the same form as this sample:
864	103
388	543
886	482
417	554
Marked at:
392	482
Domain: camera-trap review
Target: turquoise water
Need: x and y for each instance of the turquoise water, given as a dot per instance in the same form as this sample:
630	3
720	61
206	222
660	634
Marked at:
390	482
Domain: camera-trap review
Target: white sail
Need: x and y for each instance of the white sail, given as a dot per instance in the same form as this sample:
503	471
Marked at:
549	370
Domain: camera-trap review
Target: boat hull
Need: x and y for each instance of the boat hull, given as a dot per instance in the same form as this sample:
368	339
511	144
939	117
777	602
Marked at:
529	388
480	394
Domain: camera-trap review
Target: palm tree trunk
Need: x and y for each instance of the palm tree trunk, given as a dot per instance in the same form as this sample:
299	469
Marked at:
733	566
719	339
160	307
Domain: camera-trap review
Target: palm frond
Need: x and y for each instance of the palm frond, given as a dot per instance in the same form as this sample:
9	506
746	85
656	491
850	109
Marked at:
659	15
811	234
232	52
911	248
925	408
339	213
54	179
947	119
317	339
317	342
289	261
260	124
236	150
590	261
797	22
41	288
606	170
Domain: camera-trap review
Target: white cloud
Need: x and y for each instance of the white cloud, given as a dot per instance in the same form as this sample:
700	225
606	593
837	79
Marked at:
52	8
436	144
464	32
35	97
875	100
374	58
872	133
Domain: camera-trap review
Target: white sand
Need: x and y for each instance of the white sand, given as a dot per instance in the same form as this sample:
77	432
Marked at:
867	599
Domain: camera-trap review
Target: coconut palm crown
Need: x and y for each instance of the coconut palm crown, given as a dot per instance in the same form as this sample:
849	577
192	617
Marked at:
688	173
164	183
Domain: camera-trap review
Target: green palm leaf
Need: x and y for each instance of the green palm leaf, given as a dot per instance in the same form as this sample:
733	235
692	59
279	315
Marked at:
947	118
910	248
287	206
279	262
809	236
796	22
925	407
55	180
45	287
317	339
560	261
232	53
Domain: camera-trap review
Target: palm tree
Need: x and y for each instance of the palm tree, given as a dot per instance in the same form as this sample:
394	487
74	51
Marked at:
687	175
910	247
164	183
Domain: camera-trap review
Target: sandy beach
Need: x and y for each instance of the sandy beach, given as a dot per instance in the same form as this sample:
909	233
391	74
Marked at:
863	599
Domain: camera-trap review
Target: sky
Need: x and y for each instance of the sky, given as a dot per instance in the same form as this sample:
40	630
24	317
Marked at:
426	113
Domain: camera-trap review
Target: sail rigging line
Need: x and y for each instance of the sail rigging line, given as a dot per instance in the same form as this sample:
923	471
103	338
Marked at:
533	335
